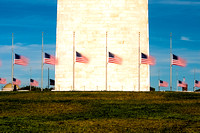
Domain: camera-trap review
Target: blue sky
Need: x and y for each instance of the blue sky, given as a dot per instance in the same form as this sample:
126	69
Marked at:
182	18
27	19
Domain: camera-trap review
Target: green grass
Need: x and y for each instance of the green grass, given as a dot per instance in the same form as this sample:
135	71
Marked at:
99	112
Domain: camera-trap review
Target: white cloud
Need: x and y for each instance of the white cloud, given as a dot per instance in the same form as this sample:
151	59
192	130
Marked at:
47	2
181	3
192	57
175	2
5	49
195	70
183	38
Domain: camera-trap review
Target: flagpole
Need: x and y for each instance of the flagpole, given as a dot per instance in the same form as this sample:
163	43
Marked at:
48	77
184	82
42	65
106	60
177	83
170	61
159	80
12	61
30	79
73	61
177	79
194	79
54	70
139	58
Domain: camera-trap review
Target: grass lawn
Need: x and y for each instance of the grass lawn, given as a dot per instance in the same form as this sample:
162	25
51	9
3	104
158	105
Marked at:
99	112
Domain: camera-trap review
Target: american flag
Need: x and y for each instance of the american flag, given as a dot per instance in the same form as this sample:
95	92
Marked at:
20	60
114	59
163	83
178	61
52	82
3	81
145	59
196	83
33	82
181	84
49	59
80	58
16	81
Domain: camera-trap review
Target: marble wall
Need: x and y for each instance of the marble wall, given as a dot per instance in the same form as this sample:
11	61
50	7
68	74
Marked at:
88	27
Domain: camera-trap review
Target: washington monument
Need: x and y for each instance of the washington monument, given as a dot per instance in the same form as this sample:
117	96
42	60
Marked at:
99	45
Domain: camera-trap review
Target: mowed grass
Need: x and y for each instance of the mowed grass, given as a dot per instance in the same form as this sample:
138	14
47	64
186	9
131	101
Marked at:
99	112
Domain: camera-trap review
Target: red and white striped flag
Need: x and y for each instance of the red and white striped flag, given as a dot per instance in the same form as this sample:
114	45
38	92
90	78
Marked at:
80	58
20	60
147	59
3	81
33	82
16	81
178	61
196	83
182	84
163	83
114	59
49	59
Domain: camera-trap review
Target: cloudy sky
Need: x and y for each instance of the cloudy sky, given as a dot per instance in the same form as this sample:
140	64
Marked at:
27	19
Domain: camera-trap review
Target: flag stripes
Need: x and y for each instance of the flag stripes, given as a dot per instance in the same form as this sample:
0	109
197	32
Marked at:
3	81
20	60
178	61
80	58
33	82
163	83
181	84
16	81
114	59
49	59
145	59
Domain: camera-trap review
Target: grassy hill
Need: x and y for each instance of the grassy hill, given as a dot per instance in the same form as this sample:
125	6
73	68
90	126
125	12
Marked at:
99	112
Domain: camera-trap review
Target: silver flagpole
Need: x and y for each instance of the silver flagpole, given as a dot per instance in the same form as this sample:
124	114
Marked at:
30	79
74	52
106	61
42	65
12	61
170	61
48	77
177	79
159	80
177	83
139	59
54	71
194	79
